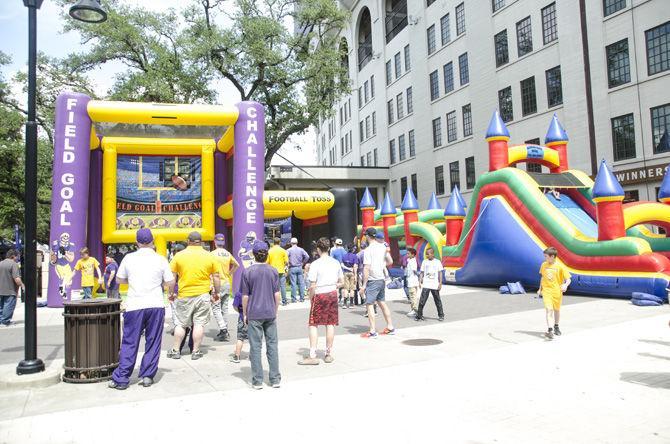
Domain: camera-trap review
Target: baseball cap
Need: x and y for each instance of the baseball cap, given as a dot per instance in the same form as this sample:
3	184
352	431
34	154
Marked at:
219	239
144	236
294	240
371	231
194	236
380	235
260	246
338	241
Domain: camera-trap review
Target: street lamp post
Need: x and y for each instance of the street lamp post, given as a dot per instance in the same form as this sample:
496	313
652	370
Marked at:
83	10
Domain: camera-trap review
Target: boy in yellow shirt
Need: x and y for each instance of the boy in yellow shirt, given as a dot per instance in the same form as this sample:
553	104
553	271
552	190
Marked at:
554	282
88	265
278	258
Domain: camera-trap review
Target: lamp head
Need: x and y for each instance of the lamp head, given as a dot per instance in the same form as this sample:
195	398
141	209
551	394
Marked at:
88	11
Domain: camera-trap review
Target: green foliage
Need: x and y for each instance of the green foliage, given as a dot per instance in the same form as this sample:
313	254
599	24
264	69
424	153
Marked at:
252	44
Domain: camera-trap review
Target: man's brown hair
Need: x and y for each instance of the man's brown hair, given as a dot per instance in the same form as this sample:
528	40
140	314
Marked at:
551	251
323	244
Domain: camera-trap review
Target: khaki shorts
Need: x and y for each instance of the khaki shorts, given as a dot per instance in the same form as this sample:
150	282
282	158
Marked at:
349	281
193	310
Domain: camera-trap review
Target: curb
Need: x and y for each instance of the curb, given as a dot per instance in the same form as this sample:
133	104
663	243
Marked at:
50	376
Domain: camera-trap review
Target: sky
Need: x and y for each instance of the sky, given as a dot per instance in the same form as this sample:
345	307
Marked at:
51	41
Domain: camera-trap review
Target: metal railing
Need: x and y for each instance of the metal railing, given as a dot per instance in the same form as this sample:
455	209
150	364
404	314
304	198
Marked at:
364	51
396	20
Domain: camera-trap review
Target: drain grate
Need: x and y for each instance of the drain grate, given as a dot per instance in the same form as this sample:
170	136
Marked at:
422	342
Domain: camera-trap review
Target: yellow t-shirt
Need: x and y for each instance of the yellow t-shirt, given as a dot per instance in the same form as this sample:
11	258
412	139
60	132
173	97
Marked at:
87	268
553	276
194	265
226	260
278	258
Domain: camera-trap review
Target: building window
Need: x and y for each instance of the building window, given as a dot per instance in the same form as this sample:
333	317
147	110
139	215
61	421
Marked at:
612	6
623	137
434	85
660	125
412	147
374	123
400	106
549	25
368	158
429	2
554	88
463	68
658	48
403	186
392	151
396	18
408	62
372	87
368	128
451	127
341	146
502	53
389	73
360	131
364	39
415	186
362	161
497	4
524	38
444	29
618	63
528	99
460	19
398	66
439	180
402	154
448	71
437	132
505	104
430	36
375	157
366	91
467	120
389	106
410	105
631	196
360	97
470	176
532	167
454	175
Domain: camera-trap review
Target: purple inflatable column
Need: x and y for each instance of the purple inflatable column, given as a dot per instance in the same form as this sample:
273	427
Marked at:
72	138
94	229
220	192
248	182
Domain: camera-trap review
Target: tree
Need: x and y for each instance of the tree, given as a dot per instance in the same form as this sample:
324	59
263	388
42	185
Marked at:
53	78
294	71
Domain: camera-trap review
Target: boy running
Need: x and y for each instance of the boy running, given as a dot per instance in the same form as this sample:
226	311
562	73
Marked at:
554	282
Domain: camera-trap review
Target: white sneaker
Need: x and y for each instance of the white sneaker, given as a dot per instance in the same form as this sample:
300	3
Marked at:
411	314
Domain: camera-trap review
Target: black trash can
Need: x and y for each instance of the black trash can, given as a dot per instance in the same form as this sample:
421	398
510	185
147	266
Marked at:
92	339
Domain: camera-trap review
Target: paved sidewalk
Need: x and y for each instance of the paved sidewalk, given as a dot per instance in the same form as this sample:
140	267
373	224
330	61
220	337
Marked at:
490	379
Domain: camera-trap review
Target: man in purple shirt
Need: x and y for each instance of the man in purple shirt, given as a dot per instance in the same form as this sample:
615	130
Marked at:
260	301
297	258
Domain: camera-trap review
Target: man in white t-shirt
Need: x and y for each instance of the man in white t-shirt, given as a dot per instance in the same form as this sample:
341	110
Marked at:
325	277
145	272
375	260
431	282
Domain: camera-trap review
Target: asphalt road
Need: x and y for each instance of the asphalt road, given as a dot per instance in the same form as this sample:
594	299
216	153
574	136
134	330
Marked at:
293	322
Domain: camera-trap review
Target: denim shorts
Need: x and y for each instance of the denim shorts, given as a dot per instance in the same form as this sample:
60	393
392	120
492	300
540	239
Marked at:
374	291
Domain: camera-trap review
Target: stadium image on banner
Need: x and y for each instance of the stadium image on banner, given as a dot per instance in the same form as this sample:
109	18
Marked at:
158	192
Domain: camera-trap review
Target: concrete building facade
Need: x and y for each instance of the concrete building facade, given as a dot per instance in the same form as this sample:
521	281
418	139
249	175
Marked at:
427	75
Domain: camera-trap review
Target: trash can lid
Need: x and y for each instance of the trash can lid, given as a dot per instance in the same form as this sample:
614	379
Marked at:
88	302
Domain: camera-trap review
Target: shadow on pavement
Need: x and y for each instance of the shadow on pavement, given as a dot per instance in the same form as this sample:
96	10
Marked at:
655	341
537	334
648	379
651	355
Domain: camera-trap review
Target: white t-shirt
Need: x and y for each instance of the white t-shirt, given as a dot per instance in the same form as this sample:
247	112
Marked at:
411	272
431	270
325	271
375	257
146	271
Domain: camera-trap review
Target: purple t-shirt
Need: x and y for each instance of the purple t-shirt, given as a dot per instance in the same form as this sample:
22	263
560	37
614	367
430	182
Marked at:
113	266
260	282
297	257
348	262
